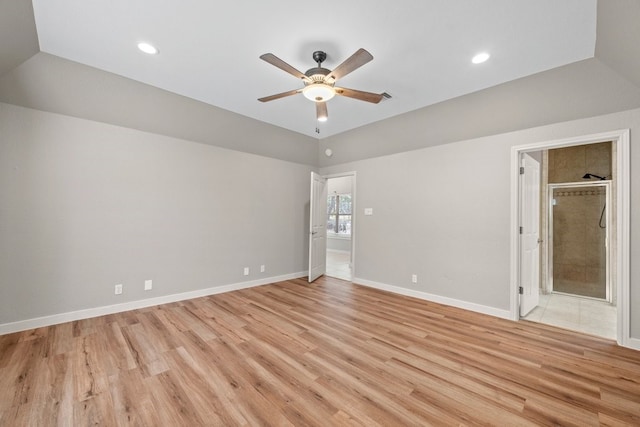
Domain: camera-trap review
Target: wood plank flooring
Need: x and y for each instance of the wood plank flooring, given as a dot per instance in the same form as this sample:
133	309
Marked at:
329	353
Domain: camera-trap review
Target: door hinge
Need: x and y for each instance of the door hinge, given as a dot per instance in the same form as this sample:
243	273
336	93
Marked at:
521	170
520	290
521	230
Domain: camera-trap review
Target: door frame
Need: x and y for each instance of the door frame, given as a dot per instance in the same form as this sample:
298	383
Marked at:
622	197
549	194
352	174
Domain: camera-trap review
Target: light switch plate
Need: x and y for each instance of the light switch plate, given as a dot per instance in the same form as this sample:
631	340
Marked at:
368	211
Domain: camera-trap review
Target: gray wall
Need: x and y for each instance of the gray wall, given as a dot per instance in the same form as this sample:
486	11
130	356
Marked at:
583	89
49	83
443	212
18	37
87	205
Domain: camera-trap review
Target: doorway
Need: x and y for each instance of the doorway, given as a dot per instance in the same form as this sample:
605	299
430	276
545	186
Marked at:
340	226
576	308
576	291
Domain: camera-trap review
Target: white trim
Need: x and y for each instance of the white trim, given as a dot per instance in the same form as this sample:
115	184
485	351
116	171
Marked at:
623	199
634	343
621	137
55	319
478	308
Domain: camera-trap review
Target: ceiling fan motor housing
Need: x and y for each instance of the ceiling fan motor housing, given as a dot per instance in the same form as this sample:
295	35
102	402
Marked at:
317	74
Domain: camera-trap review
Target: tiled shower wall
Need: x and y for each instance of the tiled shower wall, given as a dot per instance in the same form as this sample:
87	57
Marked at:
578	255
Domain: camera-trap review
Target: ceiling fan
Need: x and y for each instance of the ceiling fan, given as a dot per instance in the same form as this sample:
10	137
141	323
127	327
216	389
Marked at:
319	83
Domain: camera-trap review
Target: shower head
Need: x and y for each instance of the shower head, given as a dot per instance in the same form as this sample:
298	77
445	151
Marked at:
590	175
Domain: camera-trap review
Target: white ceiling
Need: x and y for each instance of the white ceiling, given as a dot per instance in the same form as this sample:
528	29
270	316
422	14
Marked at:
209	50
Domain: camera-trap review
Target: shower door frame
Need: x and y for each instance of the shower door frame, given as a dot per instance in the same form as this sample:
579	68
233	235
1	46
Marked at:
607	186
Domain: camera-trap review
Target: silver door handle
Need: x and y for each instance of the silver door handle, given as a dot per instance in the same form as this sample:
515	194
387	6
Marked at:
314	232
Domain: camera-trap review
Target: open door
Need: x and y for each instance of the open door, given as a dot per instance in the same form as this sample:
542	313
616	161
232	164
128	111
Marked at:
317	227
529	234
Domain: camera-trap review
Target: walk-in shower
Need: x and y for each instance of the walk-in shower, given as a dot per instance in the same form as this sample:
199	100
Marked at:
579	236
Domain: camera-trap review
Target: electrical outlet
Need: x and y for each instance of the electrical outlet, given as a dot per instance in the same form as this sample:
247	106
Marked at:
118	289
148	285
414	278
262	268
246	271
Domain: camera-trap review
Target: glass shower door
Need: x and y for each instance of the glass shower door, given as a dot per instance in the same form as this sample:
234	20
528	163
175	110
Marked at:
579	232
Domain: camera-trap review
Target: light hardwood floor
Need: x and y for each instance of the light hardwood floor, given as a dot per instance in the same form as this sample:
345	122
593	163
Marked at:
328	353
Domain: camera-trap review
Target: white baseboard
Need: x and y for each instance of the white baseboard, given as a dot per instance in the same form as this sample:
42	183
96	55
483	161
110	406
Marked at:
478	308
55	319
633	343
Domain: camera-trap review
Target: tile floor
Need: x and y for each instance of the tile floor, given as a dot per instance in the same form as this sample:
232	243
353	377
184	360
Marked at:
575	313
338	264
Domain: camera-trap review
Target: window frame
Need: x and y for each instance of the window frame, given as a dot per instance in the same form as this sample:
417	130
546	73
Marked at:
337	215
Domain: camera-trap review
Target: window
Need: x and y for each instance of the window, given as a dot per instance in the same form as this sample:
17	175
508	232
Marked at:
339	215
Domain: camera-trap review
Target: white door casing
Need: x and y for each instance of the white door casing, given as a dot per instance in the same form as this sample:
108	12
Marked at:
317	227
529	234
621	267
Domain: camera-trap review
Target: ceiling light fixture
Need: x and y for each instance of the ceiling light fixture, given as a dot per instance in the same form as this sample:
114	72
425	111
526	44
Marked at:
148	48
319	82
480	58
318	92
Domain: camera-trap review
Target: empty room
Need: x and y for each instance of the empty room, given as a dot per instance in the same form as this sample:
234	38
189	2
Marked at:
353	213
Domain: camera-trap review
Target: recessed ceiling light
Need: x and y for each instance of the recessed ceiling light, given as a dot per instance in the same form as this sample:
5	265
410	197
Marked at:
480	58
147	48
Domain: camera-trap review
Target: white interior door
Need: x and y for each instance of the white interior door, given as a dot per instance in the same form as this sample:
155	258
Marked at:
317	227
529	234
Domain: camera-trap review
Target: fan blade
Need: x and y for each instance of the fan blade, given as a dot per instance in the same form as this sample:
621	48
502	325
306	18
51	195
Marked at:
279	95
321	111
360	95
277	62
354	62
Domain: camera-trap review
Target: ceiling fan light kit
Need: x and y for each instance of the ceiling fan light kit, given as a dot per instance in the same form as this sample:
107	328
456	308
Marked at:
318	92
319	82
